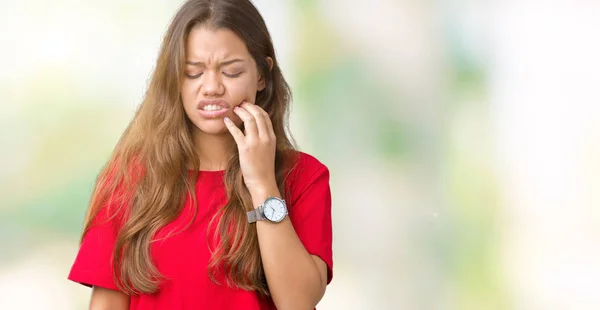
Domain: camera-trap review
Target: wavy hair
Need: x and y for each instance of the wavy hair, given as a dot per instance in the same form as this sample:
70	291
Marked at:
148	174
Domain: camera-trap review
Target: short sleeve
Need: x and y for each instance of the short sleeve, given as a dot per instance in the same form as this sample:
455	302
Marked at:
92	266
310	213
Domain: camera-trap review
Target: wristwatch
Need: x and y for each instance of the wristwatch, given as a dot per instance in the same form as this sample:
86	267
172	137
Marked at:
273	210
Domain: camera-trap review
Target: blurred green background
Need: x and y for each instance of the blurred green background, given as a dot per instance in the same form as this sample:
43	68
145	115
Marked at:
462	139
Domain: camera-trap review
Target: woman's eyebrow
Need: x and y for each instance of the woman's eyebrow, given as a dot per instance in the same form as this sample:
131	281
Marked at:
199	63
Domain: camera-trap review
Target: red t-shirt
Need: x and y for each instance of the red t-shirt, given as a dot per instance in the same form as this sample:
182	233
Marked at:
183	257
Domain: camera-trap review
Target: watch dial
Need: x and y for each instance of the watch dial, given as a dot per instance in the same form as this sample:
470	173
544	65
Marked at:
274	210
268	211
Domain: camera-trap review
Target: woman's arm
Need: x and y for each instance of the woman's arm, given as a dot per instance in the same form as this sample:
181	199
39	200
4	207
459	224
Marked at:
296	279
107	299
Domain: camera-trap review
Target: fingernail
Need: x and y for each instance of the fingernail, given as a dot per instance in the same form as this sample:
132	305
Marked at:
227	119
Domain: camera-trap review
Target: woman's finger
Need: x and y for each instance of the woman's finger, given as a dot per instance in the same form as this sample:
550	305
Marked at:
249	121
261	121
237	134
269	123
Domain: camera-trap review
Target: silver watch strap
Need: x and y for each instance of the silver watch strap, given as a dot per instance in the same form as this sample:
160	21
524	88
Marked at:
256	215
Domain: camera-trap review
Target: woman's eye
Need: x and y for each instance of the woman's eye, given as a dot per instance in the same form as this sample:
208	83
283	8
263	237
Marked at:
193	76
232	75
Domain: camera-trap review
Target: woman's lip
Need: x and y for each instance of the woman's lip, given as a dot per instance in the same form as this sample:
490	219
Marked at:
218	102
212	114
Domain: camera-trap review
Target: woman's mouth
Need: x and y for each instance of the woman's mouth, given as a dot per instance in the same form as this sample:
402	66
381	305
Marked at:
212	108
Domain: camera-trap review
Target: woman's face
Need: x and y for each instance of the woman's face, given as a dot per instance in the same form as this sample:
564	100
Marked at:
220	74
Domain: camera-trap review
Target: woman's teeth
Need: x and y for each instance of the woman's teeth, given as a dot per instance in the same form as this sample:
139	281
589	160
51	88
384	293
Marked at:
212	107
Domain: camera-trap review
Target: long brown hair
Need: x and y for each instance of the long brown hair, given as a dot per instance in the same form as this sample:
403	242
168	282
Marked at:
147	177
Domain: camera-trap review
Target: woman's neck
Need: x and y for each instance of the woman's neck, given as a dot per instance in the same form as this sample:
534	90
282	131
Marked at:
214	151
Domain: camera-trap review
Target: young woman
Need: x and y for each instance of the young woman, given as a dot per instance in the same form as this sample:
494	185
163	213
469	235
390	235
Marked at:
205	203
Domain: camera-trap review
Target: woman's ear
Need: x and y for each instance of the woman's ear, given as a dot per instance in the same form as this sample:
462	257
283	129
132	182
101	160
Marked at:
270	62
261	81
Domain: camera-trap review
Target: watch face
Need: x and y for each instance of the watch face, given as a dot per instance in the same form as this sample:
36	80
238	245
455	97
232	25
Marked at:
274	209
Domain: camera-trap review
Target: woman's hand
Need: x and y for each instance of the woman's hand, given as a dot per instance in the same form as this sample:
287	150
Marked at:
256	147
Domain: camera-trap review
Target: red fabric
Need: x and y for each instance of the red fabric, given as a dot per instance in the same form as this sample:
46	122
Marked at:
182	255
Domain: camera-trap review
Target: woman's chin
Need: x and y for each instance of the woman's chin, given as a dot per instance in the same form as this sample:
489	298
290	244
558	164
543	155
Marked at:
212	128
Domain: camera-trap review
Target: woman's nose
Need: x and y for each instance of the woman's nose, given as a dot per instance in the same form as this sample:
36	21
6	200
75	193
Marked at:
211	84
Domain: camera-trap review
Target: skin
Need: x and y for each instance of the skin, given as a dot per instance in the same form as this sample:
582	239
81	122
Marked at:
104	299
220	67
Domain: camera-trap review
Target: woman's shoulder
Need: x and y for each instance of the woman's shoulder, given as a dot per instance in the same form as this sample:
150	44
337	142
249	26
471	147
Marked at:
305	164
305	169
